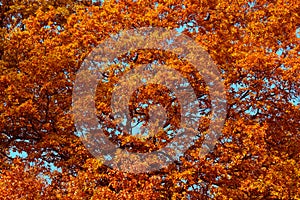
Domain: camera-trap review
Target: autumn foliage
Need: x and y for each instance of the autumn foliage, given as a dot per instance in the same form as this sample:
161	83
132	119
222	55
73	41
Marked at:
256	47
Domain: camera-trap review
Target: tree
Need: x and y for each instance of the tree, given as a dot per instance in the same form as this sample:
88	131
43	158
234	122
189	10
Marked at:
253	44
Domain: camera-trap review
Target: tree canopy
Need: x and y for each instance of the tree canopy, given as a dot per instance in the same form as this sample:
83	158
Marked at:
255	46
